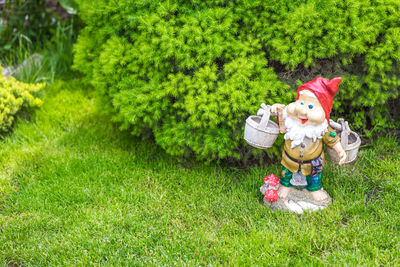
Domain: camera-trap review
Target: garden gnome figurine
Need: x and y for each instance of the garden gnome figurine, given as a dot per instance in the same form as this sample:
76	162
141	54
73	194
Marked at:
305	124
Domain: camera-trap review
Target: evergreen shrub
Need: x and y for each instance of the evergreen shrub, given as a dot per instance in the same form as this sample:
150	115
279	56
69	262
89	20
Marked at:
190	72
14	96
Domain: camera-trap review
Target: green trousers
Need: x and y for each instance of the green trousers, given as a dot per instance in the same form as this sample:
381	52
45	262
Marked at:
313	183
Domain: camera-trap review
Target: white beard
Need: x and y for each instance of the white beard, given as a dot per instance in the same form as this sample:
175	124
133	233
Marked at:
297	132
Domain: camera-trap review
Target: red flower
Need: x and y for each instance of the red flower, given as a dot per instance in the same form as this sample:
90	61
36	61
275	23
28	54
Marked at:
271	179
271	195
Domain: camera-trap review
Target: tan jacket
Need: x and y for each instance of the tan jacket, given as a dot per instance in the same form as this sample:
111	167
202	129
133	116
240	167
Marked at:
308	150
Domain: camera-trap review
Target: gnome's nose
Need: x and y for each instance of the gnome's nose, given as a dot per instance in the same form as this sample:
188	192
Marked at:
301	110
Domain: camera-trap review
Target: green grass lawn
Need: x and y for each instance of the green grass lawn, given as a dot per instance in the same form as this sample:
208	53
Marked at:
75	190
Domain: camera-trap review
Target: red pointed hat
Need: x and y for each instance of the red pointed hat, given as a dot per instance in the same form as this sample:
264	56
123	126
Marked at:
324	89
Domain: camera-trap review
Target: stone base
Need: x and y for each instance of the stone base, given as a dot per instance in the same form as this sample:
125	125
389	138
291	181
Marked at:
298	200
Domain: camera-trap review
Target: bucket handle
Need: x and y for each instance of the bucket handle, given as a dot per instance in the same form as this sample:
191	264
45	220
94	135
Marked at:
335	125
344	136
265	113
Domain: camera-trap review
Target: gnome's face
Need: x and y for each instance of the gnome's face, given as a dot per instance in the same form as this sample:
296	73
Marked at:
307	110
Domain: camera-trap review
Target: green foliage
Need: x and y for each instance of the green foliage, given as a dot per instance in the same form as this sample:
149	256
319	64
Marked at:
69	5
14	96
29	24
44	64
192	71
56	58
23	23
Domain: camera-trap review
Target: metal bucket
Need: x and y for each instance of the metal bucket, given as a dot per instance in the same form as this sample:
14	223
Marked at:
350	142
259	131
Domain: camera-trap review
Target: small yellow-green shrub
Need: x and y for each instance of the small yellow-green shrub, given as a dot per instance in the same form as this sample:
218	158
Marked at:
15	95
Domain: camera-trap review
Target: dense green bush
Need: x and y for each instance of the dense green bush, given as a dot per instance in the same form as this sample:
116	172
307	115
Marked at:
14	96
191	72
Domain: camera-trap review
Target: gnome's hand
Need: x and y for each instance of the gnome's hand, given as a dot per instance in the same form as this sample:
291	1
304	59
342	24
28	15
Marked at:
342	157
341	153
277	107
